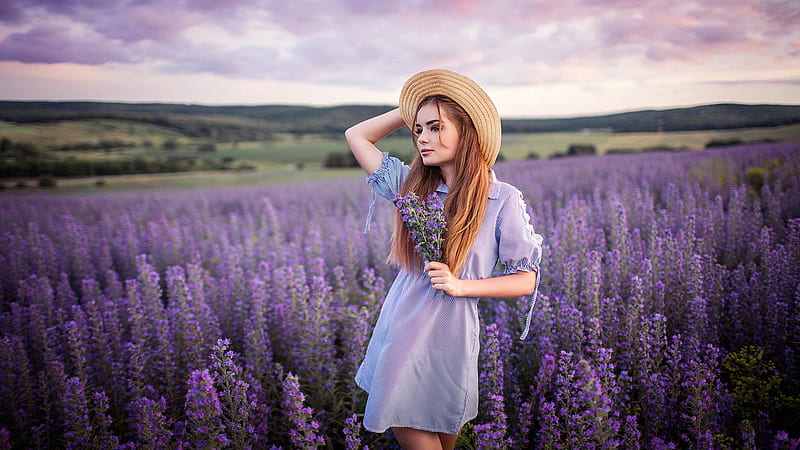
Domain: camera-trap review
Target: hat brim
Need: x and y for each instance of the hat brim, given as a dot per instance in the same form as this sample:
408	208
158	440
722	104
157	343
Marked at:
463	91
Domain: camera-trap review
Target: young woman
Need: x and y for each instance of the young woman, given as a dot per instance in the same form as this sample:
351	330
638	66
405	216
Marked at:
421	364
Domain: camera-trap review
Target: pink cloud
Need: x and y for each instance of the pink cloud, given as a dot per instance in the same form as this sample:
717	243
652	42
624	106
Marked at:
55	44
778	15
350	41
246	62
371	7
682	31
465	6
146	24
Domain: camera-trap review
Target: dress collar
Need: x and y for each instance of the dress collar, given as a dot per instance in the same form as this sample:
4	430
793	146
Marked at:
494	186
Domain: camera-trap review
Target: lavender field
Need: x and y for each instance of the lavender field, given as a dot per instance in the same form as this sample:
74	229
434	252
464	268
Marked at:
668	314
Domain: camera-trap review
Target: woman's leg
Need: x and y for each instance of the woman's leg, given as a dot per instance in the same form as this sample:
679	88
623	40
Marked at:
448	440
413	439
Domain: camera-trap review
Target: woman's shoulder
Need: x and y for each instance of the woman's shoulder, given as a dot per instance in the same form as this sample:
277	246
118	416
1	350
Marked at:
502	190
390	165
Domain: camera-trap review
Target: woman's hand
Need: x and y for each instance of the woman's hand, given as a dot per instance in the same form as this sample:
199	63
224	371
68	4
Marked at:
513	285
443	279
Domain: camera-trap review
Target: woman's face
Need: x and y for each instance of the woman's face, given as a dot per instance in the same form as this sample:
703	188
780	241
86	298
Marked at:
437	137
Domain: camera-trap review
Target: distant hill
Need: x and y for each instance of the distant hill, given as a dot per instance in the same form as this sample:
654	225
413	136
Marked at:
707	117
267	118
253	121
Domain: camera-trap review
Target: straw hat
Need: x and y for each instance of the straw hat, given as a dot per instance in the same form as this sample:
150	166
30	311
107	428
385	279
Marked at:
463	91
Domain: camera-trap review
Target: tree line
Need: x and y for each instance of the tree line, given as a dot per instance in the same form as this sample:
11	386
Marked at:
258	122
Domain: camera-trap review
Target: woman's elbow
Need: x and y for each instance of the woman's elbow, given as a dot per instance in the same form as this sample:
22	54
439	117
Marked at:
348	134
529	290
530	283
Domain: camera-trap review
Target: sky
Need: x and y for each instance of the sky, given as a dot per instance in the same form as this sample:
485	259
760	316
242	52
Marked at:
535	58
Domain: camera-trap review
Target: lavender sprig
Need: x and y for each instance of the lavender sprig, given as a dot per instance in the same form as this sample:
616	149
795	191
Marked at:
303	430
204	412
352	432
425	221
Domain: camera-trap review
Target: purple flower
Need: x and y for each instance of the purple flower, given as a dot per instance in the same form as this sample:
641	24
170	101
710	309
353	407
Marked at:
425	222
492	433
204	411
233	395
352	432
150	423
5	439
303	429
77	427
662	267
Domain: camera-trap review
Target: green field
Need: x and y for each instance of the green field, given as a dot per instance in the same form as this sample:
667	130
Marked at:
49	135
311	150
288	156
519	146
189	180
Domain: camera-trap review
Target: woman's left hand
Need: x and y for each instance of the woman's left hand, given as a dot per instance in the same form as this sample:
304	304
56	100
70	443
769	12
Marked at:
443	279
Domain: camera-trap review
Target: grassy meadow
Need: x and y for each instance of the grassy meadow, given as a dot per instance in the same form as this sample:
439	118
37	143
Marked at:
311	150
288	156
190	180
519	146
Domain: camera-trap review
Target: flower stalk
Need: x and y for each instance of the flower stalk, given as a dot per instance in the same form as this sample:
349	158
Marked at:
425	222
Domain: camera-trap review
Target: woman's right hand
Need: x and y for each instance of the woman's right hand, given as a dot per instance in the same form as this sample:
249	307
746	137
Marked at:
361	138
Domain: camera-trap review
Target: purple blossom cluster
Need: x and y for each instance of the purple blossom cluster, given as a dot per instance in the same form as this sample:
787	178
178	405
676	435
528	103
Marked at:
204	412
352	432
493	432
304	430
425	222
237	317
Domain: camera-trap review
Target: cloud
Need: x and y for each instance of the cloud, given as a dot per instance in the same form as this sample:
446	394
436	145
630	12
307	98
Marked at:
10	12
750	82
364	42
777	16
144	24
56	44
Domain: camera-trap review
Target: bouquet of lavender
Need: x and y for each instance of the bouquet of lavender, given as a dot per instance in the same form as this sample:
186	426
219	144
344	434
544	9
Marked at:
425	221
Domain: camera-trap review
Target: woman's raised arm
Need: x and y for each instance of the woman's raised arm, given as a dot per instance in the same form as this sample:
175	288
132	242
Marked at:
362	137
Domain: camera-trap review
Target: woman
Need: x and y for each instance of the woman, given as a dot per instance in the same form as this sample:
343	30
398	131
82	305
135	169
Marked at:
421	364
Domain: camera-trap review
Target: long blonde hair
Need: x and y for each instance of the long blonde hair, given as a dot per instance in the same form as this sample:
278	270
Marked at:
465	204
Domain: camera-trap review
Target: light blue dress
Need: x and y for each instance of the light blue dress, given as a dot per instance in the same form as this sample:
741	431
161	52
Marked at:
421	365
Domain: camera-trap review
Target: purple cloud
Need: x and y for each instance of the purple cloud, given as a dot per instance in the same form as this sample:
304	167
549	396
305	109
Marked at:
10	12
146	24
363	41
54	44
778	15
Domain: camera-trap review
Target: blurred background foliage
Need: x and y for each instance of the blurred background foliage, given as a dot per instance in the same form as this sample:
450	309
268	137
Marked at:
62	140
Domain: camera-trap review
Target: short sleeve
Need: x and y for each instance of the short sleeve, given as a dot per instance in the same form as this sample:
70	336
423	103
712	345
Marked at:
389	177
385	181
520	248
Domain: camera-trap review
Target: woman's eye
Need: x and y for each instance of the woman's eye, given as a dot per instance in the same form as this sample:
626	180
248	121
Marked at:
418	131
435	128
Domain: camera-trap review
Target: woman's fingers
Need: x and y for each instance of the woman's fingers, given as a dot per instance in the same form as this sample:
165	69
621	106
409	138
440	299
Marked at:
439	276
436	266
442	278
438	280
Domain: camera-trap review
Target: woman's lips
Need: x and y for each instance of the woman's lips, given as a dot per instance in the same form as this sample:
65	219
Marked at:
425	151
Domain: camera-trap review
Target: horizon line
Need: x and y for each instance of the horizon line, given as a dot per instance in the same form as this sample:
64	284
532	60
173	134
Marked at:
343	105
